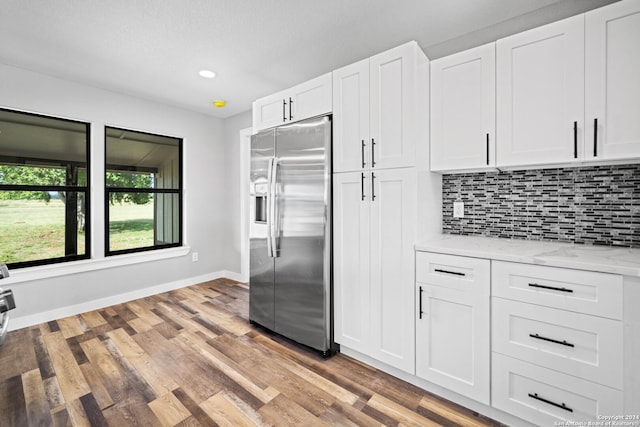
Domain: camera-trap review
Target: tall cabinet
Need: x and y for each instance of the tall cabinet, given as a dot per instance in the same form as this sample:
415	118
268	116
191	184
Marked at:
380	110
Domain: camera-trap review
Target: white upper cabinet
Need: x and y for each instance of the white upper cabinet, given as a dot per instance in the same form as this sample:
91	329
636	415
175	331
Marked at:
351	147
612	85
540	94
375	109
308	99
393	98
463	110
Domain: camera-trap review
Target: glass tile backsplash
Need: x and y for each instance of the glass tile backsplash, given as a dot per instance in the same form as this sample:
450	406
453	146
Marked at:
597	205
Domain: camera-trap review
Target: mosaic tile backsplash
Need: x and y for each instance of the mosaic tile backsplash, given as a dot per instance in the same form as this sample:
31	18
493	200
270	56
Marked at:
597	205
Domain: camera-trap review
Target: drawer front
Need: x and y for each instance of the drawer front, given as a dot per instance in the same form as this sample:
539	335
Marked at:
598	294
577	344
545	397
454	272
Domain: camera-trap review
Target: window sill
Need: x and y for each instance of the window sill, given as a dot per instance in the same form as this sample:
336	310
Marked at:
74	267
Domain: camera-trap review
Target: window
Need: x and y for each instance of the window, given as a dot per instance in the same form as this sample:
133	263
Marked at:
44	201
143	194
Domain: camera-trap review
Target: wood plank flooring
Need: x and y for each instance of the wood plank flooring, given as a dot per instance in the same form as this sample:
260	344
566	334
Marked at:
190	358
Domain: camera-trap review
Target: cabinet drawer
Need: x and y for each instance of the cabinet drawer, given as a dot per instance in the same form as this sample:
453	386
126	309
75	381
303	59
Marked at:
457	272
598	294
543	396
577	344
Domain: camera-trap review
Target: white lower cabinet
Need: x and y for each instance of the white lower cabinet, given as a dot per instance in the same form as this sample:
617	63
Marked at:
452	327
544	396
552	359
544	344
577	344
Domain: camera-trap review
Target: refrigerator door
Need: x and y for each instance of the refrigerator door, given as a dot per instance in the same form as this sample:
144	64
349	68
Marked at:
302	232
261	289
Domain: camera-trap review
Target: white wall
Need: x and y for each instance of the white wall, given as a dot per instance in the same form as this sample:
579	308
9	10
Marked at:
63	289
232	127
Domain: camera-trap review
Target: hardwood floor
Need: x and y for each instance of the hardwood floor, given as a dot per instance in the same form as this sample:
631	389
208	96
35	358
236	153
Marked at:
190	358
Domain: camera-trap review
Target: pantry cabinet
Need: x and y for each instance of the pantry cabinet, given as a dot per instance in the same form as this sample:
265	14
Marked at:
612	85
463	110
540	94
308	99
374	225
375	112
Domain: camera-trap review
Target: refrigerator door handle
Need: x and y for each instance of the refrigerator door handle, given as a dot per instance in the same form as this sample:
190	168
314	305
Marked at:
269	212
275	215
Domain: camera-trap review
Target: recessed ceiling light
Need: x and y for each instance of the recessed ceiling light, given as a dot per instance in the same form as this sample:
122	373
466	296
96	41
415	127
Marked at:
219	103
207	73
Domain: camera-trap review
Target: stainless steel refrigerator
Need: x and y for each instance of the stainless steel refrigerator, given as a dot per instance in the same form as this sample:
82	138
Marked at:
290	232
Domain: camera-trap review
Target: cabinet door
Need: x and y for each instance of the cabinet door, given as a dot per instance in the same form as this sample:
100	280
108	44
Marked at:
309	99
453	323
392	92
393	217
540	94
613	82
463	110
351	145
351	261
269	111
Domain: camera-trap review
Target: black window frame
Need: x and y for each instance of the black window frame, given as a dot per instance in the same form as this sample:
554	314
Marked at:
107	190
65	188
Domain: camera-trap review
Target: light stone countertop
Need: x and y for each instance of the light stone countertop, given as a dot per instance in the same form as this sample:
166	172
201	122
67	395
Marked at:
605	259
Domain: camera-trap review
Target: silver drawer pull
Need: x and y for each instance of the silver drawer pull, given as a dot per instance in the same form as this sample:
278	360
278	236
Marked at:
535	285
557	405
563	342
438	270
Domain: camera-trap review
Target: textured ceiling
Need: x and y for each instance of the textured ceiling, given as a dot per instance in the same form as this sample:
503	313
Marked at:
154	48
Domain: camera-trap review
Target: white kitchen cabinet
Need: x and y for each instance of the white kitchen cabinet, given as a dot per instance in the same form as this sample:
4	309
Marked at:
308	99
452	326
373	285
558	335
351	254
376	111
547	397
574	343
463	110
351	145
540	95
612	82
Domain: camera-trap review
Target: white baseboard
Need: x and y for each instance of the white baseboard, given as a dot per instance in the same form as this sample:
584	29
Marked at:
234	276
71	310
